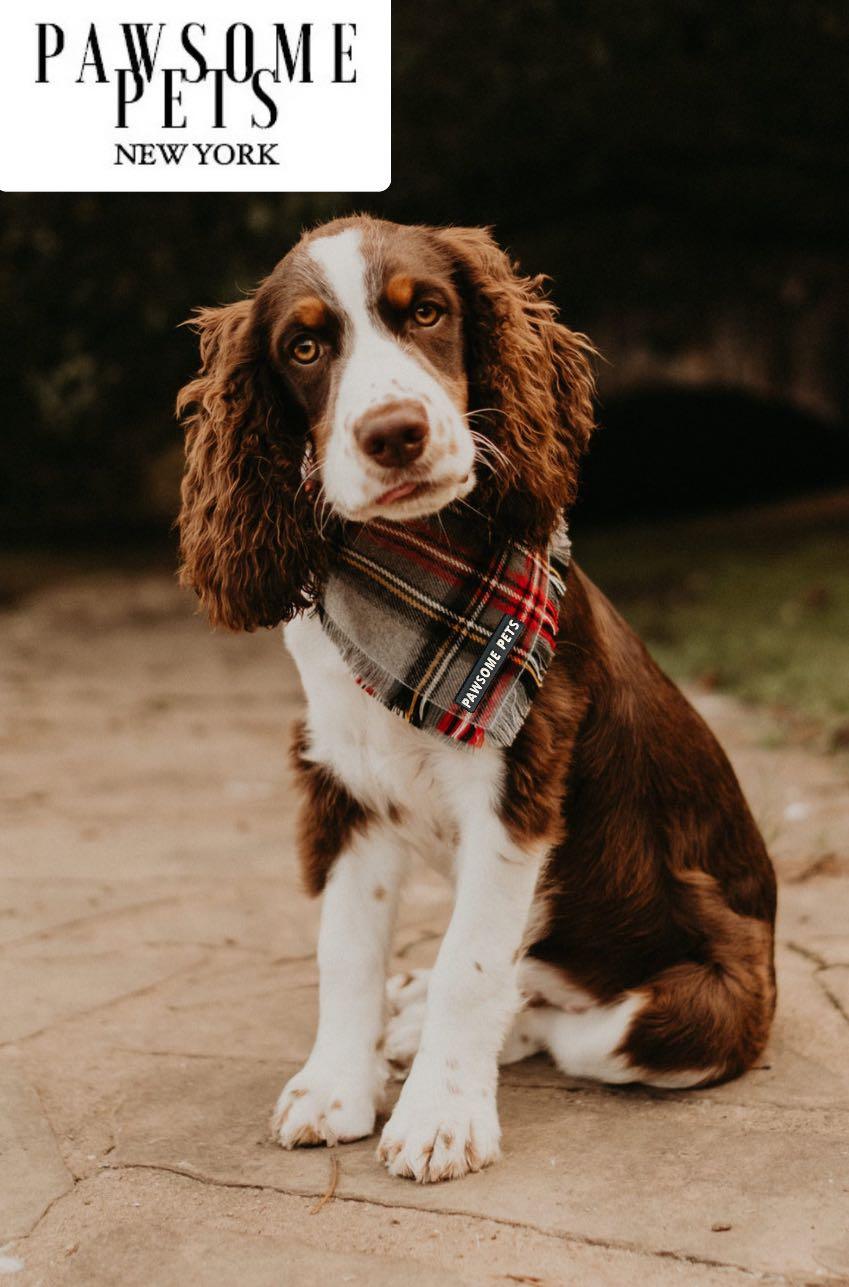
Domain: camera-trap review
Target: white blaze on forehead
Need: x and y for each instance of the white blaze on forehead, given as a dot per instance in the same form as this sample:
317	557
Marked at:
343	264
376	368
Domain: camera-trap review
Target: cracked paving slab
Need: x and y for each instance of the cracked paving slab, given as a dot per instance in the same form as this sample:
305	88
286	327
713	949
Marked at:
632	1169
835	980
264	1000
30	909
137	1227
43	990
249	914
232	1003
815	916
32	1172
155	954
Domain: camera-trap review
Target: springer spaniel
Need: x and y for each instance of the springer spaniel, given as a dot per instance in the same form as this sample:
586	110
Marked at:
614	901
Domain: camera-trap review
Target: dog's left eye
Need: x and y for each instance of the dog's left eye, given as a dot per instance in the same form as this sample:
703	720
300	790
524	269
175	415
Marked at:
426	313
305	349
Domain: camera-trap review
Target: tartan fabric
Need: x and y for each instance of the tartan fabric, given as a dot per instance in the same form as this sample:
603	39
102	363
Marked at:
449	631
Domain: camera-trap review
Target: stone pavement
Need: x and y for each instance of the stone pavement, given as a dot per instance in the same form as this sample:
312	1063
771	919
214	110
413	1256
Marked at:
158	988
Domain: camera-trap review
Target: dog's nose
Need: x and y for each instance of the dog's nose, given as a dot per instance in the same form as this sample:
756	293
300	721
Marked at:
393	436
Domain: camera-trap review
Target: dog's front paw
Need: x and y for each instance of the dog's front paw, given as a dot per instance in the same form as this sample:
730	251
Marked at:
441	1136
325	1106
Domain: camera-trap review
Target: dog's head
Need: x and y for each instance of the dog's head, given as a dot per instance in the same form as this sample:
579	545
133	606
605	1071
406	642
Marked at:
379	371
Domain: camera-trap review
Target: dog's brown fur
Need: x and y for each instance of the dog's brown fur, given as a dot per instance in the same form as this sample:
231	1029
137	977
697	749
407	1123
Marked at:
658	880
249	539
328	818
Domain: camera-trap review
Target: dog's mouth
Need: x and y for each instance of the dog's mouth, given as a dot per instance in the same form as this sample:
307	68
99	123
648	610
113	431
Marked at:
404	491
417	497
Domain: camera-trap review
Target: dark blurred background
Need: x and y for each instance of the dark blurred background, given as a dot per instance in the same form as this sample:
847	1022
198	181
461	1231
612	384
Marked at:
680	169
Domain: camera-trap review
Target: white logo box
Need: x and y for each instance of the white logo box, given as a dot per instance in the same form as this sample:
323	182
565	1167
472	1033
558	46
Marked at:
332	132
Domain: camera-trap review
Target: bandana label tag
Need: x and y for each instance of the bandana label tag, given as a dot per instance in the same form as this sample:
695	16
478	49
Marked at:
501	642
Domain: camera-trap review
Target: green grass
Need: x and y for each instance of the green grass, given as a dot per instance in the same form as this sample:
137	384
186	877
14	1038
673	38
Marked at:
759	612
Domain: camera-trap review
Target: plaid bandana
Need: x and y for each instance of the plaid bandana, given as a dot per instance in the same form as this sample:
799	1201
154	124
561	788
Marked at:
449	632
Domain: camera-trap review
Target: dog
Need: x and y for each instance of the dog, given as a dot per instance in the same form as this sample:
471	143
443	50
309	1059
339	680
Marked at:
614	901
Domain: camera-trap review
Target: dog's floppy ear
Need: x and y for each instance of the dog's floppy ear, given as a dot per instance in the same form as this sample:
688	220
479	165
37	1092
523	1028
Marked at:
248	543
530	381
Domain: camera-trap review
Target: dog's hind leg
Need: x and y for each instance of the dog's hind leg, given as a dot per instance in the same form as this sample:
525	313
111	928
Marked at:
582	1043
605	1042
406	996
696	1022
406	1003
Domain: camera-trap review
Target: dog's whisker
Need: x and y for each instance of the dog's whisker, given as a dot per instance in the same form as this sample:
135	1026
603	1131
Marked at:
479	512
439	519
491	455
483	441
307	477
495	459
324	512
482	411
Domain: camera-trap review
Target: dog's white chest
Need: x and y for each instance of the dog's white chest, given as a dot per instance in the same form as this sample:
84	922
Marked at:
382	760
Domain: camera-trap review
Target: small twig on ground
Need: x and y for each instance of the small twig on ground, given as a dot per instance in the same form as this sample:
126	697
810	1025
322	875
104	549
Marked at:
331	1186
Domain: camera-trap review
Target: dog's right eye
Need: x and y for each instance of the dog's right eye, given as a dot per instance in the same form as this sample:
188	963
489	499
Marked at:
305	349
427	313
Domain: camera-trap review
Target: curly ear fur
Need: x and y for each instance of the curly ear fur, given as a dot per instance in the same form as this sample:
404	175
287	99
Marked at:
531	381
248	543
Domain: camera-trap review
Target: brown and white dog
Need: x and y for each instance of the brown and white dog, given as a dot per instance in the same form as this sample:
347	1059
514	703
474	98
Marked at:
614	901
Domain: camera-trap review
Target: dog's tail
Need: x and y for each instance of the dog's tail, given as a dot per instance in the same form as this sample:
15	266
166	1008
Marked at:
706	1019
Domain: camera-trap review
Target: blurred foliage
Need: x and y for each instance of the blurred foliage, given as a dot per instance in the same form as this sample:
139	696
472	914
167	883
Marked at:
758	612
733	118
95	288
635	151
